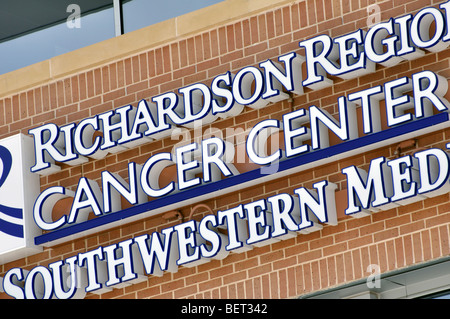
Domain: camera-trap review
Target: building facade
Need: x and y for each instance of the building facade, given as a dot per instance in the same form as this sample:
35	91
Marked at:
331	121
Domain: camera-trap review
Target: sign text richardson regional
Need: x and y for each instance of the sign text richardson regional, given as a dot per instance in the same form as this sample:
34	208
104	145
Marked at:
412	105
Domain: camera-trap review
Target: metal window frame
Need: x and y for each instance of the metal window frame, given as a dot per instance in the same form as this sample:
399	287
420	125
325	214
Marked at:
118	18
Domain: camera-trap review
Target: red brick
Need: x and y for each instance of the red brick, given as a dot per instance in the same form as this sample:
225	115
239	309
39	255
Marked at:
399	237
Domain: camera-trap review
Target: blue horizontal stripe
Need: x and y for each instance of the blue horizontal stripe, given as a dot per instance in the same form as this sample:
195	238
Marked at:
244	177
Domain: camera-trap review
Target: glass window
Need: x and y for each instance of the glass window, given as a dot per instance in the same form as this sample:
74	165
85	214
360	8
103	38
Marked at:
42	43
440	295
34	31
141	13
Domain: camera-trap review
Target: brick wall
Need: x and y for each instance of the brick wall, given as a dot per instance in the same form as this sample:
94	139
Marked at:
333	256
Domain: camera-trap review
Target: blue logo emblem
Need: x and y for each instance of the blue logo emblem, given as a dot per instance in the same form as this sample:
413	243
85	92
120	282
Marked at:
7	226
